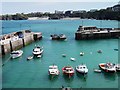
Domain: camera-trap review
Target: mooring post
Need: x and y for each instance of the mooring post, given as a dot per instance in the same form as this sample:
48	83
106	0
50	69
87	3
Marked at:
3	50
11	48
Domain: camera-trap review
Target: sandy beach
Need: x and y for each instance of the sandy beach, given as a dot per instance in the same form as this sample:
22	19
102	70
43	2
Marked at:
46	18
38	18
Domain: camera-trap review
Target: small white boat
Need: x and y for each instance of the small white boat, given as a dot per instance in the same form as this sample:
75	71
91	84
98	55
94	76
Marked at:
63	55
72	59
97	70
108	67
16	54
81	53
29	57
82	68
53	70
99	51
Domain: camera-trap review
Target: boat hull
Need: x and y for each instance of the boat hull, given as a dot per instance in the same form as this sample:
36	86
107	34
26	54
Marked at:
106	70
68	74
37	54
82	72
58	38
13	56
118	70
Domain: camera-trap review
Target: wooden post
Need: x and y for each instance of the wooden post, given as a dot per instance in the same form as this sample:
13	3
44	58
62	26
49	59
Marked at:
23	42
11	48
3	50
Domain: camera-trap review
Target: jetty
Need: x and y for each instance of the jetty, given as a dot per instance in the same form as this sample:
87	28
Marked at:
17	40
92	32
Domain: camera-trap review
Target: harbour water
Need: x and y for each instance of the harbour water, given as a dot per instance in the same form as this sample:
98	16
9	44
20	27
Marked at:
20	73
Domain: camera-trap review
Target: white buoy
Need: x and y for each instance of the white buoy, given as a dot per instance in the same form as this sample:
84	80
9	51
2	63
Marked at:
72	59
81	53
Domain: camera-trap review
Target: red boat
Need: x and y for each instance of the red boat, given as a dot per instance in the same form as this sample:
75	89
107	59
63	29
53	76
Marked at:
107	67
68	70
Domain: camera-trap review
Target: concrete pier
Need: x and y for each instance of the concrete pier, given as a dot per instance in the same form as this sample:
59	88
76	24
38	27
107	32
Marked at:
92	32
17	40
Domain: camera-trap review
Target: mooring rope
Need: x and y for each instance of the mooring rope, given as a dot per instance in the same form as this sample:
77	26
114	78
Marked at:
6	61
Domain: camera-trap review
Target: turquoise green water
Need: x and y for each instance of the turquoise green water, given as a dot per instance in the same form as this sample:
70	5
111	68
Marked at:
20	73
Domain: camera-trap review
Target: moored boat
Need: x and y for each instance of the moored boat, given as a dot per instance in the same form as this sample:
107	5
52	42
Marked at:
53	70
68	70
99	51
72	59
58	37
37	51
29	57
16	54
97	70
82	68
63	55
107	67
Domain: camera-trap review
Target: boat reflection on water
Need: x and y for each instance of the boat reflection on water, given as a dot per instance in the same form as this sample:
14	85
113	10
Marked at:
110	76
82	76
67	79
118	74
52	78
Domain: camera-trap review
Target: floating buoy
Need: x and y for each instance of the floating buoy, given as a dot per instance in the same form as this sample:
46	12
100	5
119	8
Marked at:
81	53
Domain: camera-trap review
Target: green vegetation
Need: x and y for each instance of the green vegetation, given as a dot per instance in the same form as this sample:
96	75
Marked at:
17	16
110	13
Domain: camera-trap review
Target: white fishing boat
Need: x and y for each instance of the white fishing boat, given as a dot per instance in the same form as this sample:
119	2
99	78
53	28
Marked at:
107	67
53	70
82	68
16	54
37	51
